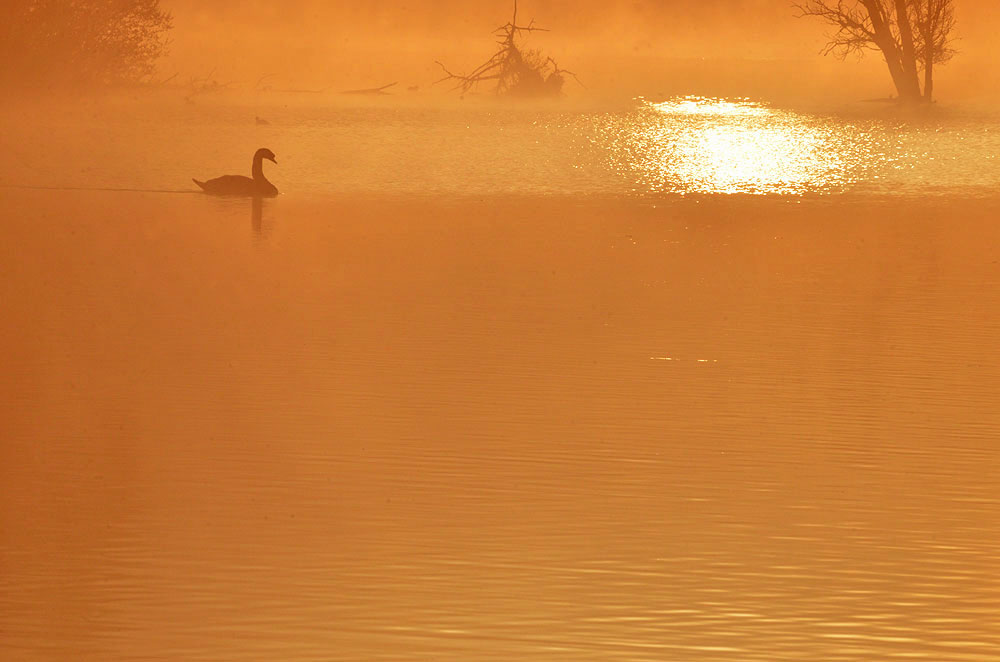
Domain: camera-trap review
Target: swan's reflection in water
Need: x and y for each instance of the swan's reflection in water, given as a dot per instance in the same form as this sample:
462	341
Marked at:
261	229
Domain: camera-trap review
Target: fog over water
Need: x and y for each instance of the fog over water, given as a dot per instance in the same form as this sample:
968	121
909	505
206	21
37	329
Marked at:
714	48
697	362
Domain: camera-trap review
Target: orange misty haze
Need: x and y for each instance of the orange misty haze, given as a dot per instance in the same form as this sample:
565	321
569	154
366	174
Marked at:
641	47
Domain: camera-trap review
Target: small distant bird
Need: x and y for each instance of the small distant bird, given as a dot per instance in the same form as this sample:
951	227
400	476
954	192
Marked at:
261	121
258	186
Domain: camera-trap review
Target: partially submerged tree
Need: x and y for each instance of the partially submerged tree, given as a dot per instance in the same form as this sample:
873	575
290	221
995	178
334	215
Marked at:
517	71
913	36
81	42
935	22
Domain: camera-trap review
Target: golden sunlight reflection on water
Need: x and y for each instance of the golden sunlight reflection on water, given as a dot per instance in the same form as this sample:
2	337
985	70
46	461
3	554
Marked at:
701	145
685	145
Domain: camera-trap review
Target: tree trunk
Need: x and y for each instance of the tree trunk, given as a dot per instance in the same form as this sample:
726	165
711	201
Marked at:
929	17
904	88
909	50
902	69
929	76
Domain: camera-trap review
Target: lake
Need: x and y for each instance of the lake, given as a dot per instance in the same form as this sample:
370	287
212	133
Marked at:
685	379
638	148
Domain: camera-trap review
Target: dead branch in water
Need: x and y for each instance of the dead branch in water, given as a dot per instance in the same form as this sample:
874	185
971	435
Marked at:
163	83
205	85
373	91
298	91
517	72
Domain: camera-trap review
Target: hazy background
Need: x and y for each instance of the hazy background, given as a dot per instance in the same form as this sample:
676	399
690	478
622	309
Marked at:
715	47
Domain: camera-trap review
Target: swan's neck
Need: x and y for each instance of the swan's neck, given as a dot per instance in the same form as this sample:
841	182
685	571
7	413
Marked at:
258	169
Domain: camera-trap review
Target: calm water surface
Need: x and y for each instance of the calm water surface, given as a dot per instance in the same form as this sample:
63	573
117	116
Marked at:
373	419
644	148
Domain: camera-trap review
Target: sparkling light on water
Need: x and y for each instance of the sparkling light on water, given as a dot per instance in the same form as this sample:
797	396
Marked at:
685	145
700	145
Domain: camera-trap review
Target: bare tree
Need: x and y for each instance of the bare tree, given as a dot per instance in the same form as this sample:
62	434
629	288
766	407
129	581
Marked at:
912	35
517	71
935	21
81	41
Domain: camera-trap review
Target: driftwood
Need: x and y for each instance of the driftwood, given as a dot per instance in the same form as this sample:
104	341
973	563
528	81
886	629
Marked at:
205	85
163	83
297	91
517	72
373	91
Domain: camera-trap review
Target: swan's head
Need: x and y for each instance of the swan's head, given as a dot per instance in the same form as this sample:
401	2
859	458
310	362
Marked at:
264	153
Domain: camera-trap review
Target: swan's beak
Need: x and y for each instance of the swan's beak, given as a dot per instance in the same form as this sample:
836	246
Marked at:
273	160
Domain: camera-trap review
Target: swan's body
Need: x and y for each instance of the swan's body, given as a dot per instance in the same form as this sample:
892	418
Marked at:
257	186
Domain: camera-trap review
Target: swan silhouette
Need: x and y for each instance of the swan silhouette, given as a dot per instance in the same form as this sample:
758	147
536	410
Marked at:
258	186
